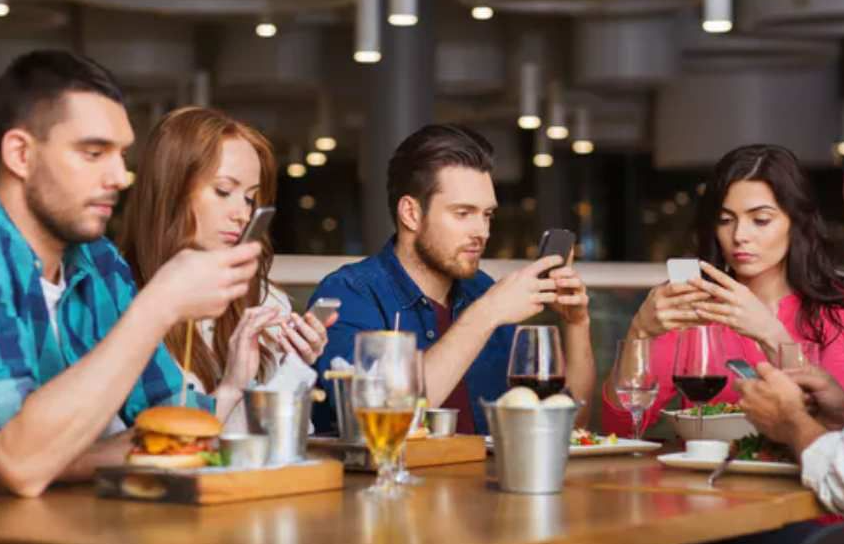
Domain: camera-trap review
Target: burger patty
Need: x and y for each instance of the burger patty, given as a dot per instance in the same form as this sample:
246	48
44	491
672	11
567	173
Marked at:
157	443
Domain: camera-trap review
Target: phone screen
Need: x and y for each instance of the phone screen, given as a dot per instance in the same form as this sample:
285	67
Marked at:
742	369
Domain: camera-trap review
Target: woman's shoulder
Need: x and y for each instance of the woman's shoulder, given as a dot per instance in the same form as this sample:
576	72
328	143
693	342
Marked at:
273	296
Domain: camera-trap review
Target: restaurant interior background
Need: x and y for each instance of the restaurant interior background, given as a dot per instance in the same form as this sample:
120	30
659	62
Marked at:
644	98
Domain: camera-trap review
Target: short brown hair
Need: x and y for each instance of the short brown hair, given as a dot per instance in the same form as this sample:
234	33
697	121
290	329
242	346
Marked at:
415	163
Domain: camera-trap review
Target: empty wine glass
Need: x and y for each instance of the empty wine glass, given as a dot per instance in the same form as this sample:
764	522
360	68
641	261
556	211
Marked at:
700	371
798	355
636	386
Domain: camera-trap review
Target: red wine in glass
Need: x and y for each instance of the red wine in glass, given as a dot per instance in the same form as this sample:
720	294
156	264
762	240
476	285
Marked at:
700	389
543	387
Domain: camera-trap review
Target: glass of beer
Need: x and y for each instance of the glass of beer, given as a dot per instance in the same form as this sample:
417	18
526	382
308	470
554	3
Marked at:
385	390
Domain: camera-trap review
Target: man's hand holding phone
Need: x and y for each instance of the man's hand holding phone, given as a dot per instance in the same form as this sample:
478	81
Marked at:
572	301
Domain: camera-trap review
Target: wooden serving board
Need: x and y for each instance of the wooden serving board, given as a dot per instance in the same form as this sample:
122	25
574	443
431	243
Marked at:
423	452
214	485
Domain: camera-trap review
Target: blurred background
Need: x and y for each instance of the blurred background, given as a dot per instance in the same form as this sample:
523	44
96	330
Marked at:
606	115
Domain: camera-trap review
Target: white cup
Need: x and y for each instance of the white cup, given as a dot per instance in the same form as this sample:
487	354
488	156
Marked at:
708	450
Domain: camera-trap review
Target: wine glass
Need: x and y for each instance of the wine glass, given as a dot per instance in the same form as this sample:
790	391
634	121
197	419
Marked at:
536	360
385	390
798	355
700	371
636	385
403	476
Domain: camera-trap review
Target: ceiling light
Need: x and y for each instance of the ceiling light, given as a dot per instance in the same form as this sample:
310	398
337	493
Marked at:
403	13
557	129
295	168
316	158
4	9
367	32
325	143
582	144
482	13
717	16
266	29
542	157
529	96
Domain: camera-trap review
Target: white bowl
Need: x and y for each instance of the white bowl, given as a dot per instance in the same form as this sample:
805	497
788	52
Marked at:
721	427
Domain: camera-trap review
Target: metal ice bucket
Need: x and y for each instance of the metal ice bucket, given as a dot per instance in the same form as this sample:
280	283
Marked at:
531	446
282	415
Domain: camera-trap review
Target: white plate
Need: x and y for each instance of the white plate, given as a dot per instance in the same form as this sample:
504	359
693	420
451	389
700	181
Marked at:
623	446
679	460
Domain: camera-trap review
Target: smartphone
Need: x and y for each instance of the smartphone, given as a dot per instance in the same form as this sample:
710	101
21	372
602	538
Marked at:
556	242
322	308
742	369
682	270
258	225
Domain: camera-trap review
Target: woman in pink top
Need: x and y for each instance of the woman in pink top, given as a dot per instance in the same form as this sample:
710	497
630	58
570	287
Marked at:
771	277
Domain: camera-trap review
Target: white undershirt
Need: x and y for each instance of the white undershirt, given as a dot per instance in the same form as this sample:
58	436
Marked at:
52	295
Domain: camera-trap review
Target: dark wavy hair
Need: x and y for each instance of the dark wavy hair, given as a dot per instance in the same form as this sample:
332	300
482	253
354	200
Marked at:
809	266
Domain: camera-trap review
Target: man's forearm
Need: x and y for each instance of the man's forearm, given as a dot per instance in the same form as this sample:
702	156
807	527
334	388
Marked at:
448	360
805	430
109	451
71	410
580	365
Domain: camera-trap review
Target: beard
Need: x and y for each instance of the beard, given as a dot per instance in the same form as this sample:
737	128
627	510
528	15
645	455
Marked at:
44	197
438	259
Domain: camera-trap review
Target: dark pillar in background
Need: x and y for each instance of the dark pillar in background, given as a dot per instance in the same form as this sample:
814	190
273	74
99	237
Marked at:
401	100
554	203
632	235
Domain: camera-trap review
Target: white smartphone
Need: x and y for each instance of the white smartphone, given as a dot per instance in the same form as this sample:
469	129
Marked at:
324	307
682	270
258	225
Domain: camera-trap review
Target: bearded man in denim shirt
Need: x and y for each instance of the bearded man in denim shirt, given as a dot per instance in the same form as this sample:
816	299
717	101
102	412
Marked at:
442	201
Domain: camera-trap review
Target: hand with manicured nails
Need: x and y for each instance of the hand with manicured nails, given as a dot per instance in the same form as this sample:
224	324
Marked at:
306	336
736	306
244	355
197	284
668	307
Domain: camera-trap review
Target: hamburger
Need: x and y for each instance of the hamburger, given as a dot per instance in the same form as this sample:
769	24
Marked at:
175	437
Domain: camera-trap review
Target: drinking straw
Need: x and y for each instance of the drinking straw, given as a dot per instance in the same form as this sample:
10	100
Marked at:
186	363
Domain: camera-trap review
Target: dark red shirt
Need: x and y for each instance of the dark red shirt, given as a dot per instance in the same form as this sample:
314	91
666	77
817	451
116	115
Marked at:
459	397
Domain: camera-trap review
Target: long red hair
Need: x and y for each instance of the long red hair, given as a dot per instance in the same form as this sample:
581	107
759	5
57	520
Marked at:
158	222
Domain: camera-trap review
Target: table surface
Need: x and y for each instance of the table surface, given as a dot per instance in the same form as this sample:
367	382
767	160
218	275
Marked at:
606	499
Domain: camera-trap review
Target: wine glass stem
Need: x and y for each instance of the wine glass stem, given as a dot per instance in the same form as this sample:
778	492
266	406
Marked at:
637	424
699	421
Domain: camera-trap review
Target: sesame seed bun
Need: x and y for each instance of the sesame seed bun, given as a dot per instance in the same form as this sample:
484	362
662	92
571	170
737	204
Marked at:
178	420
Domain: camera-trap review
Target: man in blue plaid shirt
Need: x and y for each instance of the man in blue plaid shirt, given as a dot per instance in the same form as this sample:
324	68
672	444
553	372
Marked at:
79	347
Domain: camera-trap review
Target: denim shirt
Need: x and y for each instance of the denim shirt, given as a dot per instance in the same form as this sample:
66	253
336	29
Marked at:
99	290
372	291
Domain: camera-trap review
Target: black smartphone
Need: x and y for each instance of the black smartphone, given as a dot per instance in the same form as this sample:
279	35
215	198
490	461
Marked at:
258	225
556	242
742	369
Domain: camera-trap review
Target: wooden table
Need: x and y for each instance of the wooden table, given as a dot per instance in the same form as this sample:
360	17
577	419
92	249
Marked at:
608	499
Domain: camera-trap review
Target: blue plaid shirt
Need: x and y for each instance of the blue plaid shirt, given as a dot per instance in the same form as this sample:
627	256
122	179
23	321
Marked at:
99	289
372	291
